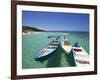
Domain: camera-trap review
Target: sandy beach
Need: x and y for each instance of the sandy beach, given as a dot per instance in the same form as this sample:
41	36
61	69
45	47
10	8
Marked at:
32	32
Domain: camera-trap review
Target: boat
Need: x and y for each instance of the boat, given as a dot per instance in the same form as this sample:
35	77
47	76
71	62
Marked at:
45	53
81	57
65	44
53	36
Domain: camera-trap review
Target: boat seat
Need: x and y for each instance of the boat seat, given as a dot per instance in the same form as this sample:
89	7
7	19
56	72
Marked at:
78	50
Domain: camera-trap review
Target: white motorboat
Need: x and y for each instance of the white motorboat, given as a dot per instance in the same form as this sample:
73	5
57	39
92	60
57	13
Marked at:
81	57
65	44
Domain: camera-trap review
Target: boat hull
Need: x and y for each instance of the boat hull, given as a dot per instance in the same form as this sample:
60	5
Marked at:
45	57
81	57
66	47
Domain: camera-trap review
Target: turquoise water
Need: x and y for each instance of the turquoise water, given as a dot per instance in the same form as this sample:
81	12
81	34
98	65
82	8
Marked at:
34	42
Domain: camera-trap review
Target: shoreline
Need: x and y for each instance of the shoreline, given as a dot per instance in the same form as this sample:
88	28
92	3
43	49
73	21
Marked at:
28	33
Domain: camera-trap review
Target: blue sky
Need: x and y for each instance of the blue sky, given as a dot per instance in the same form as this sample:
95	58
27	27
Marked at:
53	21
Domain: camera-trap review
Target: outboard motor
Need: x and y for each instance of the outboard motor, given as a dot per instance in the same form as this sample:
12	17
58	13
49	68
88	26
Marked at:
76	44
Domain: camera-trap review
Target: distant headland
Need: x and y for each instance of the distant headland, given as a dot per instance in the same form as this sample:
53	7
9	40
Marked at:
30	30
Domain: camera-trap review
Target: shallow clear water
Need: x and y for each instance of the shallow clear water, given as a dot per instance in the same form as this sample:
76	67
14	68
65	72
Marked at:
34	42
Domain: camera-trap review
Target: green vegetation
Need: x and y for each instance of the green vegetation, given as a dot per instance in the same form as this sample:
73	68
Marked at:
26	29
